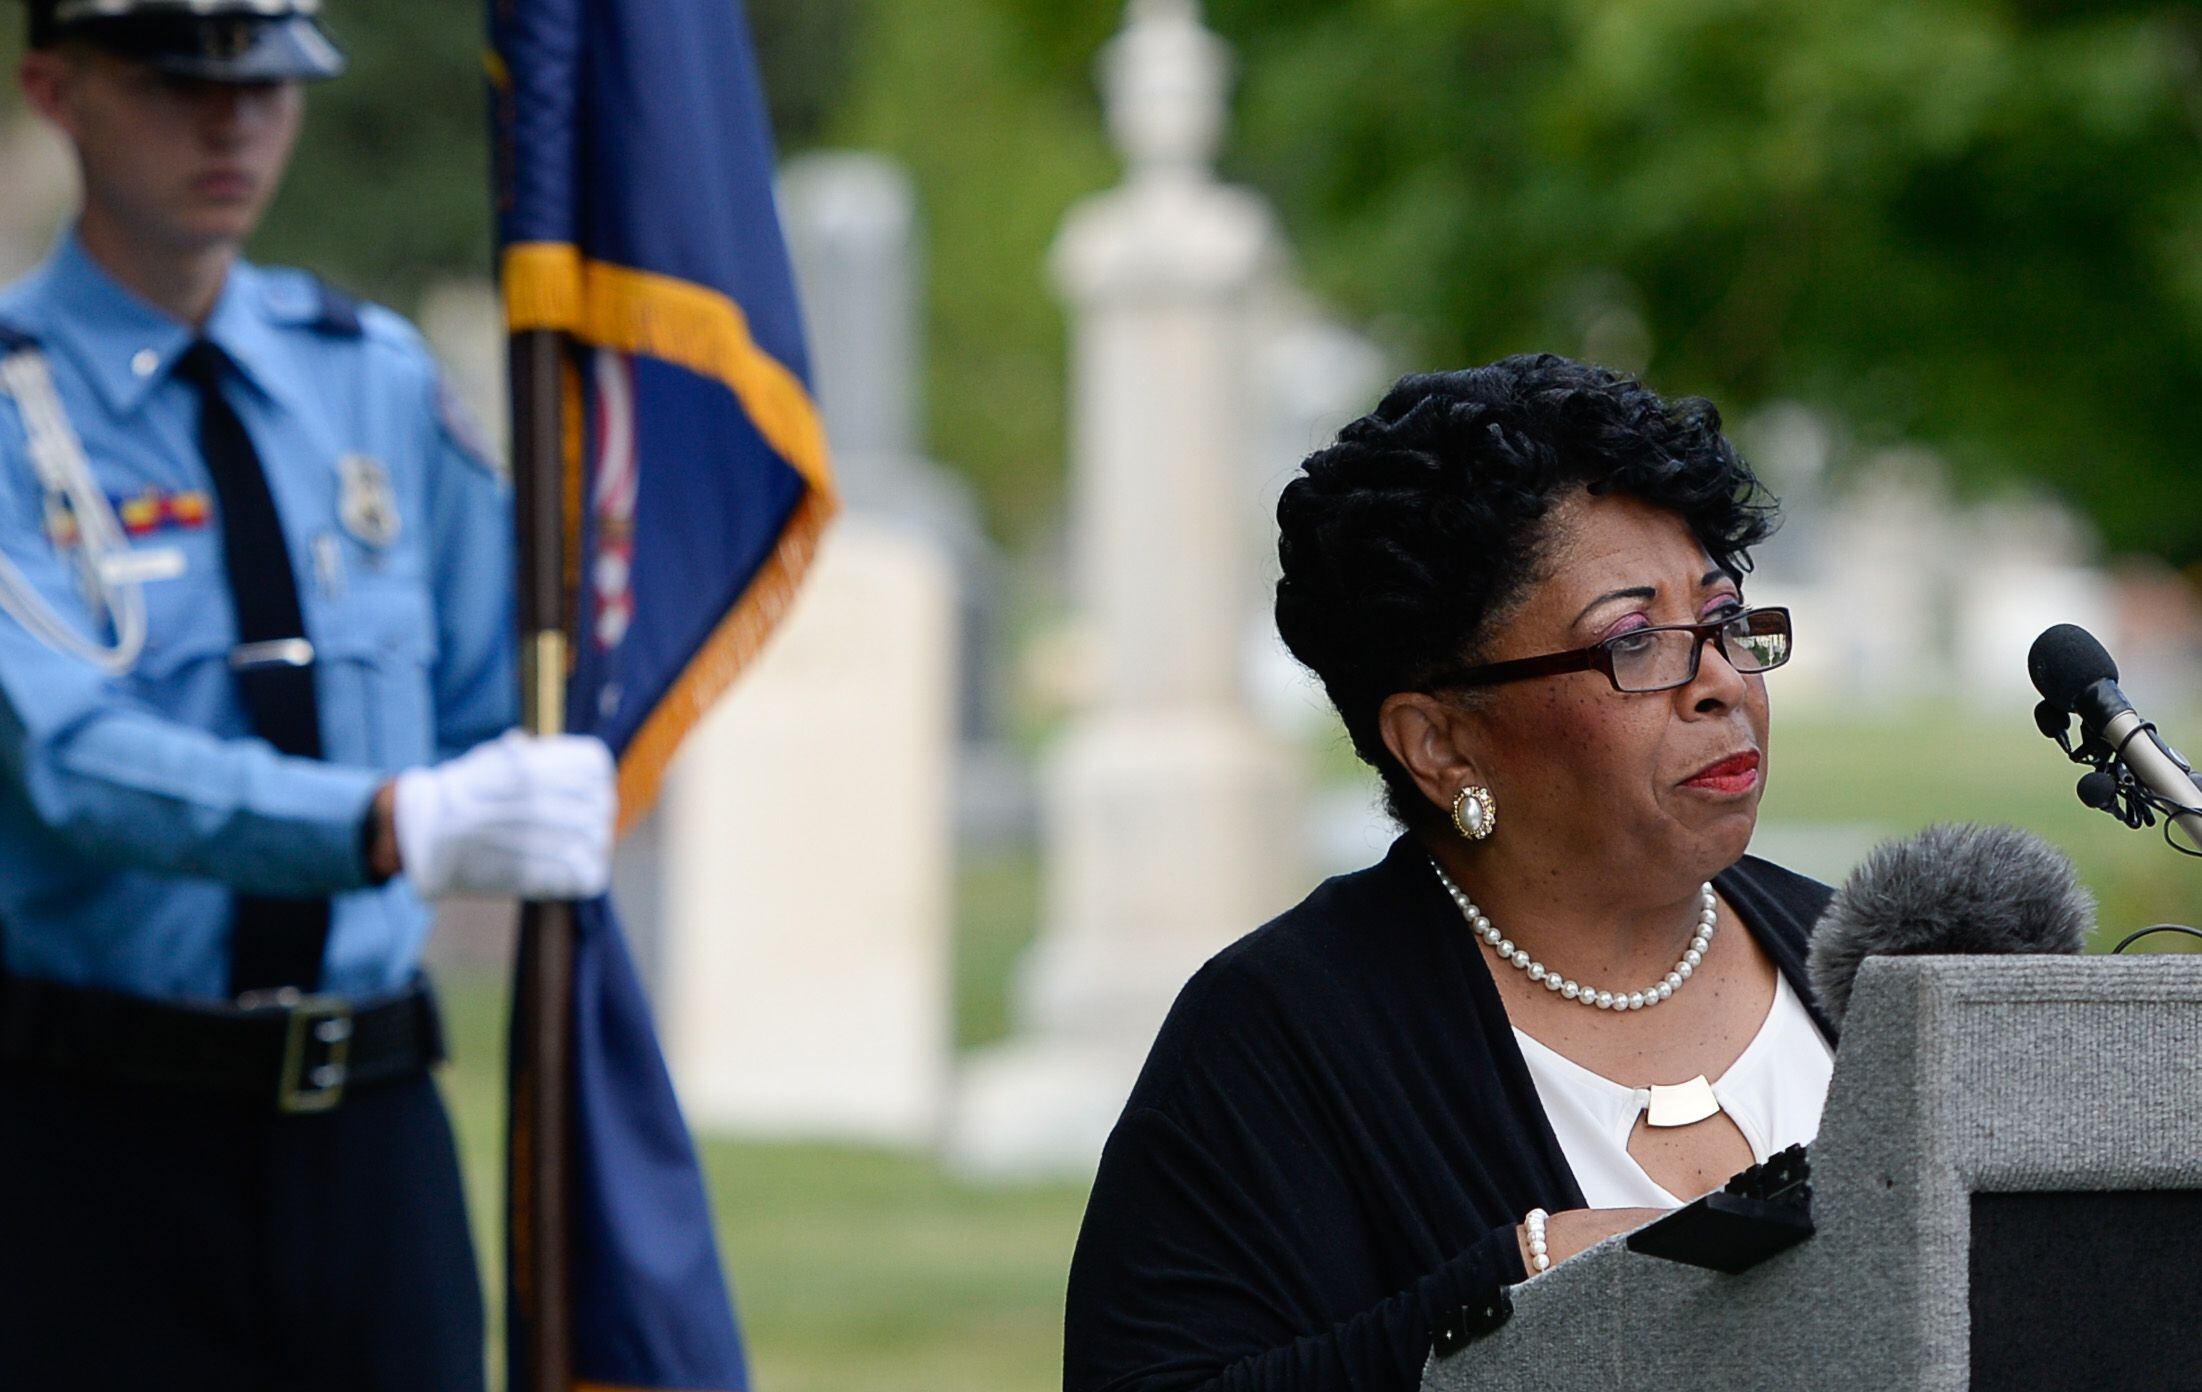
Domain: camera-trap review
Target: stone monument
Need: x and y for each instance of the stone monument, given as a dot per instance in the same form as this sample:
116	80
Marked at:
852	226
1172	822
791	897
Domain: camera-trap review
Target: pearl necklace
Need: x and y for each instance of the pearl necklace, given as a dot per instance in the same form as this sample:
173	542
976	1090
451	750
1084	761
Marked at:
1708	914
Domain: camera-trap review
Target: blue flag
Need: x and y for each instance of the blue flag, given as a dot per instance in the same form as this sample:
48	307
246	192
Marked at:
636	217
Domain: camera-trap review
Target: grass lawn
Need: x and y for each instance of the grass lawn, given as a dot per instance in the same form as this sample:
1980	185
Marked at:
863	1271
854	1270
1893	773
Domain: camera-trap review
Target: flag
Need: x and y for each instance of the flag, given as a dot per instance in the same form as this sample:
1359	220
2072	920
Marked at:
636	218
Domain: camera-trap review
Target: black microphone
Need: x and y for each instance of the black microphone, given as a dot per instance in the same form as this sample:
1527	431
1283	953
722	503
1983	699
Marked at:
2075	674
2099	790
1957	888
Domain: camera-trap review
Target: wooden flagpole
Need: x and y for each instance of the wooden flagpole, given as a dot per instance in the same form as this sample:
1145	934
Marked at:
538	1141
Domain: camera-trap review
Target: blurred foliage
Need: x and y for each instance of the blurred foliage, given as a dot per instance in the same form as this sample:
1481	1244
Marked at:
388	190
989	105
1971	223
807	50
400	143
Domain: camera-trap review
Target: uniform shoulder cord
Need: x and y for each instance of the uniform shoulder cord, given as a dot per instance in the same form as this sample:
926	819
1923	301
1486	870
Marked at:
111	583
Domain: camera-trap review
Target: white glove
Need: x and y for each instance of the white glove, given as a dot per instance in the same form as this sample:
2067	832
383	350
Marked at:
524	815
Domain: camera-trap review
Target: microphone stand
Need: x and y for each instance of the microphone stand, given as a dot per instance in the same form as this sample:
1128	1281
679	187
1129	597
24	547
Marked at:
2128	766
2111	786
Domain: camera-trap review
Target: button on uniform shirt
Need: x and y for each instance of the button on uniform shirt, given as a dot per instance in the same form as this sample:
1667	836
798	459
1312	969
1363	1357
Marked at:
133	808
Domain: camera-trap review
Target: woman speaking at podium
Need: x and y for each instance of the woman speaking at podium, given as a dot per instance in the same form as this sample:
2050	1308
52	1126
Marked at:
1566	999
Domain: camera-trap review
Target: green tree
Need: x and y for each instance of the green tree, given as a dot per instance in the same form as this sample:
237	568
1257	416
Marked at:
1974	223
390	188
990	106
1971	223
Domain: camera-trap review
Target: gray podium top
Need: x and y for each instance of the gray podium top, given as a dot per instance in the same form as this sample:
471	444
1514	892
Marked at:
1956	1075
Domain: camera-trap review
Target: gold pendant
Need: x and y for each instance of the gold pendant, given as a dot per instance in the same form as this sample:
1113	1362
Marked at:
1681	1104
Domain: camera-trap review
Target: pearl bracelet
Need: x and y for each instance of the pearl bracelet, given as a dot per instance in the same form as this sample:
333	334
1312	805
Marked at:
1538	1260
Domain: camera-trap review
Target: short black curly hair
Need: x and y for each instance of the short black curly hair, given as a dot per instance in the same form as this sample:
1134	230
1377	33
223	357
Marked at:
1406	540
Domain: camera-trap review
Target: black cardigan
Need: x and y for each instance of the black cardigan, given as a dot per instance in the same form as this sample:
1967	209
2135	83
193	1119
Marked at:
1330	1145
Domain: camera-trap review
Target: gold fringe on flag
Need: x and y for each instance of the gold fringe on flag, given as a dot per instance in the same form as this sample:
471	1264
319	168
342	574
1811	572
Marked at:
732	646
549	285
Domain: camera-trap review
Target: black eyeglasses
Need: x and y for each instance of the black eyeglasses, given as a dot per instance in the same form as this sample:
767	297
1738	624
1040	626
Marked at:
1660	658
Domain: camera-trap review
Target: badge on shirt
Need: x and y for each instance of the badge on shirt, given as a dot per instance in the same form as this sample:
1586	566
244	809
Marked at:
369	506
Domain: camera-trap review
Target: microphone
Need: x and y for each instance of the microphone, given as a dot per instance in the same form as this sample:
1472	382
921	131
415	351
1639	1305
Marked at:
1958	888
2075	674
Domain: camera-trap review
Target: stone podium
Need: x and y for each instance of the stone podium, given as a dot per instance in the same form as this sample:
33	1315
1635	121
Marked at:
2006	1191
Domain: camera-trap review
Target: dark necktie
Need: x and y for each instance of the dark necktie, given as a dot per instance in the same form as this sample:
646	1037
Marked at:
275	942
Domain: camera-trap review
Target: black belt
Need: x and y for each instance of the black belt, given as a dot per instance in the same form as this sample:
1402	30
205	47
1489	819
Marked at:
284	1049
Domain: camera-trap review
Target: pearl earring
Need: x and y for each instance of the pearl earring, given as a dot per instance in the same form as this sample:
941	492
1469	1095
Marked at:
1475	815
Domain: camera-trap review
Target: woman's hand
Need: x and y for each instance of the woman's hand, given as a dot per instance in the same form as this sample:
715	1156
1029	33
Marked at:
1567	1233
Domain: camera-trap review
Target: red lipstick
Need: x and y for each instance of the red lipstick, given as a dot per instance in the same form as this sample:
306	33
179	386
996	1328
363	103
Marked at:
1738	773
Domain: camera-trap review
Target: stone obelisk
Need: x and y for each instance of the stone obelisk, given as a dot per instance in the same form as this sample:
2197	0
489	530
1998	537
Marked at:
1173	823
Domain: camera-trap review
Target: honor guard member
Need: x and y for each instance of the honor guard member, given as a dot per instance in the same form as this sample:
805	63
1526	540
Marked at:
256	691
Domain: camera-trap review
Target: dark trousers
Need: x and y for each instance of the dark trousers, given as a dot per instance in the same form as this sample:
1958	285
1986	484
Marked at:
150	1240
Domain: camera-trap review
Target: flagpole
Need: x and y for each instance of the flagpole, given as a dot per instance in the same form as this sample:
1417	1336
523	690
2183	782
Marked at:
539	1278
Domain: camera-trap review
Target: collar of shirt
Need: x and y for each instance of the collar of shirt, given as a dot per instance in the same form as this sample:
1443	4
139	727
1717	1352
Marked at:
127	347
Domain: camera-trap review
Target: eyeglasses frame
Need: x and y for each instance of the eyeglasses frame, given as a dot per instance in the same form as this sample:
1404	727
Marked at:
1598	657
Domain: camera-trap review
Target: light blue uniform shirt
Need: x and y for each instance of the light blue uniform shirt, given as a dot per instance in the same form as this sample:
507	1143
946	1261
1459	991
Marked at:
132	807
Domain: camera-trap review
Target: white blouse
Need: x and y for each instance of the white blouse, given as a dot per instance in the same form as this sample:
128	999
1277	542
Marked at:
1773	1092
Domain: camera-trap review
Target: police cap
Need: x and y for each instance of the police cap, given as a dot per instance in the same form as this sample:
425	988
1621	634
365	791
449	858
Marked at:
215	40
